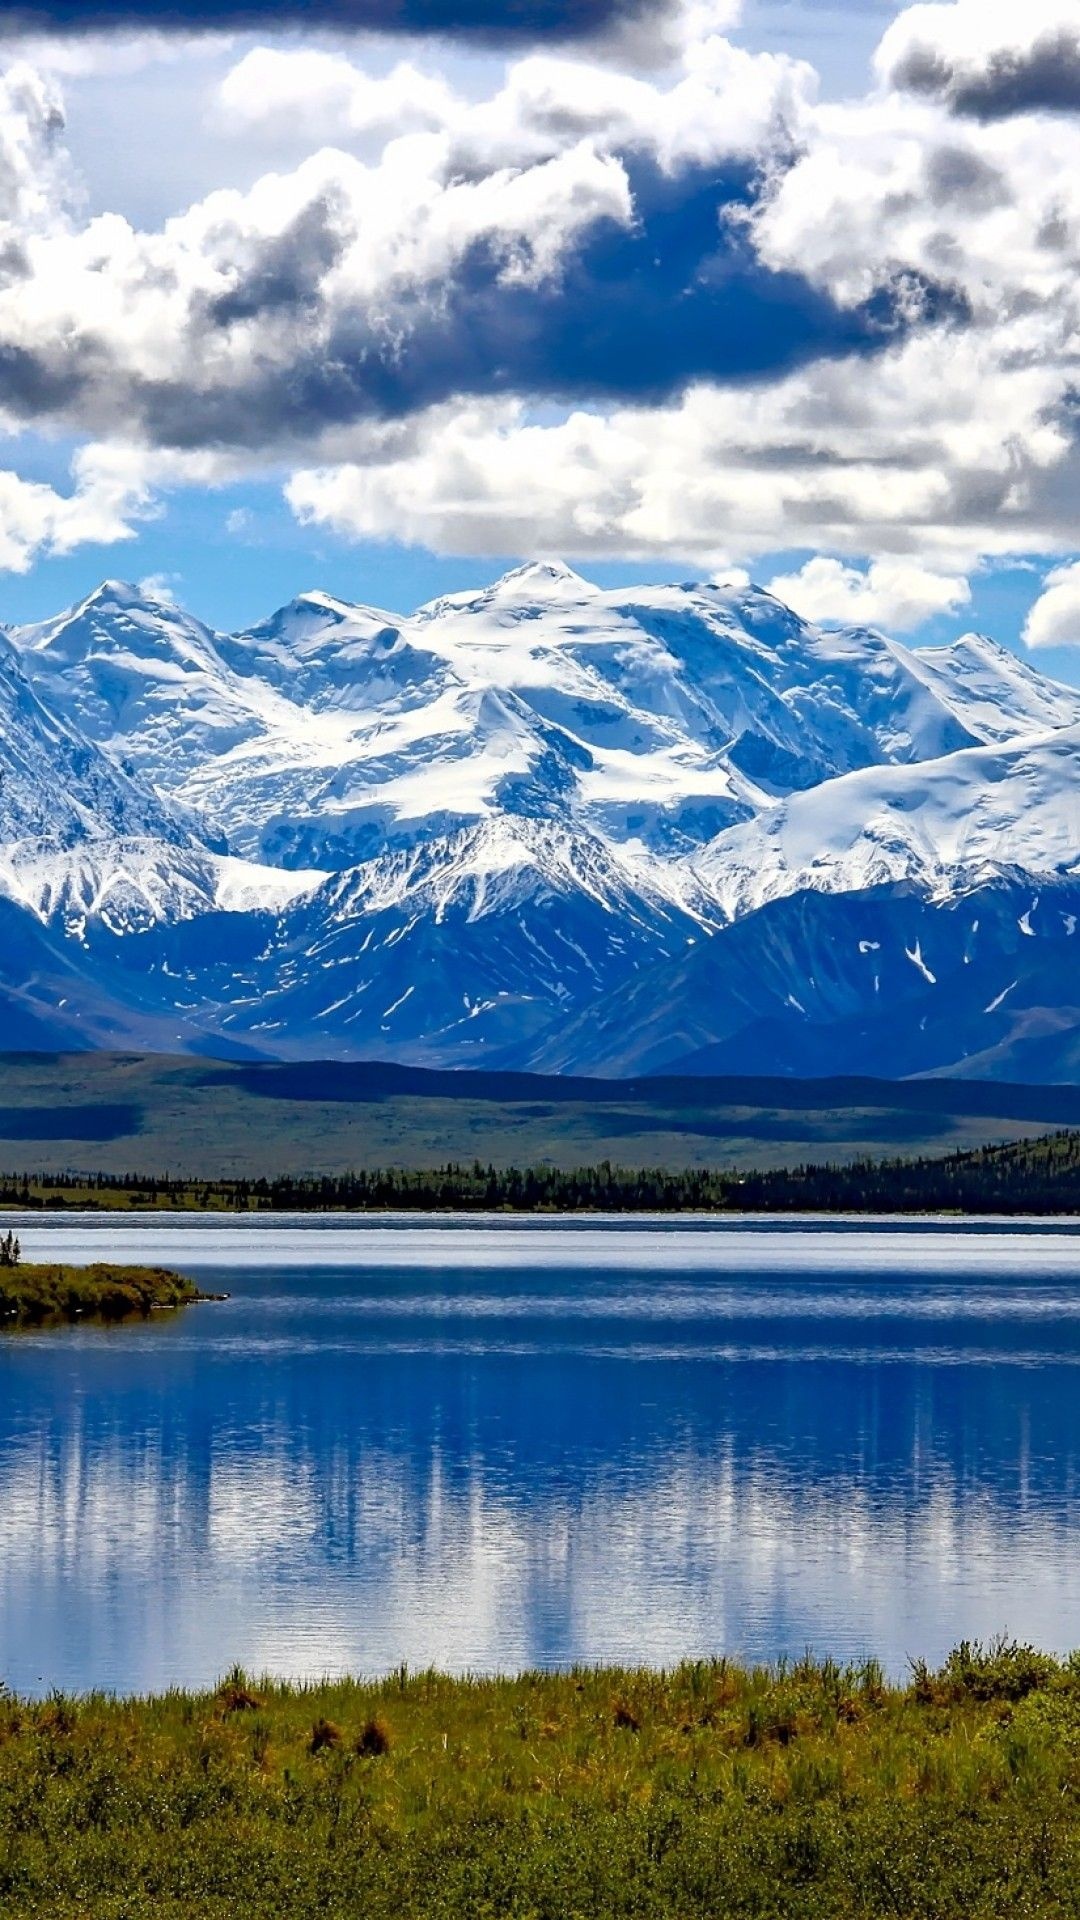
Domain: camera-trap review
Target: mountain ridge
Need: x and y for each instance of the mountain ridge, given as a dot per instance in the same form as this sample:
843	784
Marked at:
541	824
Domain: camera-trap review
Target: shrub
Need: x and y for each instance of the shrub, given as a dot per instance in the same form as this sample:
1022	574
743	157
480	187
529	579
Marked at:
1005	1670
374	1738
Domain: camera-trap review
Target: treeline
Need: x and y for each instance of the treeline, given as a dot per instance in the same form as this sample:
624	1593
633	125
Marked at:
1037	1176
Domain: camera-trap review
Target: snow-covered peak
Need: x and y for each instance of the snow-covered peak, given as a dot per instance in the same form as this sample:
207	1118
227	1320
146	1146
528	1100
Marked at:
974	647
129	885
57	786
527	591
320	652
120	621
999	695
944	827
502	863
659	718
118	594
542	578
315	621
435	836
146	682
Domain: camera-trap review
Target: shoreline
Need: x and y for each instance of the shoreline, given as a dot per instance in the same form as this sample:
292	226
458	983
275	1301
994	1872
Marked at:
58	1210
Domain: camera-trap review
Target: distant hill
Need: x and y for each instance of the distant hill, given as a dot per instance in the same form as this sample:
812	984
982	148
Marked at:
213	1119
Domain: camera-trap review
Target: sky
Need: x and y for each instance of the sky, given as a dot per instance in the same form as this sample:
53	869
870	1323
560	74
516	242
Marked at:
386	296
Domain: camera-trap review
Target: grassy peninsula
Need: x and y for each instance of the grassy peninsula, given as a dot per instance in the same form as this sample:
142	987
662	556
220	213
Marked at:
33	1295
813	1791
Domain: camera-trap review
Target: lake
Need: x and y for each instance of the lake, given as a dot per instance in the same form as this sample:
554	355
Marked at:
481	1444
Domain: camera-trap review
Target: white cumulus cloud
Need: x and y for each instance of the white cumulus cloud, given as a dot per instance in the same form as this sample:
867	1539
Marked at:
987	58
1054	620
37	519
324	96
899	594
405	323
905	459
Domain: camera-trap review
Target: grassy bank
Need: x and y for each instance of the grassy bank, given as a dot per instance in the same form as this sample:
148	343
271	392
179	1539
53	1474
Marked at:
37	1295
707	1791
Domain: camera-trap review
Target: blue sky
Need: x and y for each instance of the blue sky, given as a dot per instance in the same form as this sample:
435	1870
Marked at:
672	288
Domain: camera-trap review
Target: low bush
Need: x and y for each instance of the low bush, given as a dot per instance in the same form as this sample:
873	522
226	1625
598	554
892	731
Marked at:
816	1792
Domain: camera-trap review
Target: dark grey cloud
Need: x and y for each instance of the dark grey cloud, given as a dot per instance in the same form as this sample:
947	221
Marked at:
955	176
1041	78
14	262
283	273
282	353
493	20
44	384
636	315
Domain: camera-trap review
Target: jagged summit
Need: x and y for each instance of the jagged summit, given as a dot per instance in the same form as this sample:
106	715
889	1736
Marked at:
1000	694
539	822
542	577
119	618
118	593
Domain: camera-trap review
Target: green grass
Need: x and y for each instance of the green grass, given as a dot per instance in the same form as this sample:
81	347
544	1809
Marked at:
41	1295
211	1120
807	1792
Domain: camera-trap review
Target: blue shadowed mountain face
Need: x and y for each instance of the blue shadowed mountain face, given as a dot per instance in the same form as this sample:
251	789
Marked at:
540	826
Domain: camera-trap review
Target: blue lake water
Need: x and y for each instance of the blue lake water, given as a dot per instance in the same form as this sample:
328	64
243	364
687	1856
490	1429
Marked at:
492	1444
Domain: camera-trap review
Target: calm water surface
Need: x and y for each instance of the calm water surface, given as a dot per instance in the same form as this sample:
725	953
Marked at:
490	1444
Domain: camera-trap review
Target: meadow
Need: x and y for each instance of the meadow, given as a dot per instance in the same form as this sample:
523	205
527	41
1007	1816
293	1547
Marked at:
213	1120
807	1790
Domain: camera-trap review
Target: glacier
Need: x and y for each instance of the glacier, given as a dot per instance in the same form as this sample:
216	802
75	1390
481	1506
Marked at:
538	825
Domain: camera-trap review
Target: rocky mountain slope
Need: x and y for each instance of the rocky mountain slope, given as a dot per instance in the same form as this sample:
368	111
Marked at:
539	825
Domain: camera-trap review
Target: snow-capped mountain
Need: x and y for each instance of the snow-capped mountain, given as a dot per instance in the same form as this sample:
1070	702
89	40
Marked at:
57	785
942	828
538	824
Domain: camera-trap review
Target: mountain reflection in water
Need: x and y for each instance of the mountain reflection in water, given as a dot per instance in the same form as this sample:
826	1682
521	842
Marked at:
522	1444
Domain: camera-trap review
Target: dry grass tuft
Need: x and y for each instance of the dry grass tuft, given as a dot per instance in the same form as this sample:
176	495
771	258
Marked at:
236	1696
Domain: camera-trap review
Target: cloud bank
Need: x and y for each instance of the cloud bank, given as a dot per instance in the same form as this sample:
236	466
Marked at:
487	20
692	316
559	241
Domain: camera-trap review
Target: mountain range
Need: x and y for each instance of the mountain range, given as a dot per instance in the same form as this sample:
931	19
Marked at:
540	825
